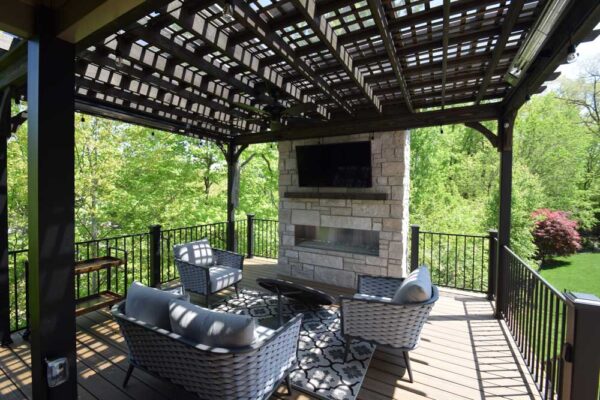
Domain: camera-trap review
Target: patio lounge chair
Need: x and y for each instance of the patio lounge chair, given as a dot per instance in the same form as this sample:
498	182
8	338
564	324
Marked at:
210	370
376	315
205	270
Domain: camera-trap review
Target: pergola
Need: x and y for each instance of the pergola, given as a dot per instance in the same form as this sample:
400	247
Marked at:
194	67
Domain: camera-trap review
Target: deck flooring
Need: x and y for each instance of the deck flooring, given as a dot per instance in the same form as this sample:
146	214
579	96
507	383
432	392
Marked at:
464	354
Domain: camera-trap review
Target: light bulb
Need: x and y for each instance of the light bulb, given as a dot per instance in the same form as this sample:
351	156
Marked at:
572	54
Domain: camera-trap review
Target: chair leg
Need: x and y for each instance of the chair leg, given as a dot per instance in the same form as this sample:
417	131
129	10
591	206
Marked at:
348	340
206	302
128	375
288	385
237	292
407	362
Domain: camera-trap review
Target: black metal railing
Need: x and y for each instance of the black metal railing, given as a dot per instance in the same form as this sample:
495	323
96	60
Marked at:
18	288
455	260
266	238
535	313
150	266
216	233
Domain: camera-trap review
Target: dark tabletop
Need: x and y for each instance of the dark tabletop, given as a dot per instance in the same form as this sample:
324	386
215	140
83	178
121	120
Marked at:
295	291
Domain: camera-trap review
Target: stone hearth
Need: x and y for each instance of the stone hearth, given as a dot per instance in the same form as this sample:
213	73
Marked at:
388	219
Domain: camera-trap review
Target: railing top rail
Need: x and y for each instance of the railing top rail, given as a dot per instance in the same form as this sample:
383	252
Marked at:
536	274
192	226
266	219
455	234
112	238
18	251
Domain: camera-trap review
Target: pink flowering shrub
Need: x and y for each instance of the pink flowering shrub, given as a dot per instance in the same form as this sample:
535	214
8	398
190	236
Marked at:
554	234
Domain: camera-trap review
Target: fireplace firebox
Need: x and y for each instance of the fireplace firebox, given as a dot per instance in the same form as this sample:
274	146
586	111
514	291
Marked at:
337	239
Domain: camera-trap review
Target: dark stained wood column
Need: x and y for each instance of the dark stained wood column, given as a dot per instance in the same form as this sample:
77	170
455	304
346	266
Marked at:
4	274
50	98
505	139
232	156
231	170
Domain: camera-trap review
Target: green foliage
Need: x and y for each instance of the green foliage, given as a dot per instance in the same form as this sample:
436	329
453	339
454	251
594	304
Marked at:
454	173
129	177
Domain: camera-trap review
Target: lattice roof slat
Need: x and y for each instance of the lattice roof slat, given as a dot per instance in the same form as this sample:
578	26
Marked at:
189	63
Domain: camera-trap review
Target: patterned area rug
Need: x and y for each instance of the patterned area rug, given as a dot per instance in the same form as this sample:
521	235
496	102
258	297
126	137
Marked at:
322	371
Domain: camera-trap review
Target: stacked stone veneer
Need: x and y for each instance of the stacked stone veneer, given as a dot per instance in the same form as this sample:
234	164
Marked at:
390	168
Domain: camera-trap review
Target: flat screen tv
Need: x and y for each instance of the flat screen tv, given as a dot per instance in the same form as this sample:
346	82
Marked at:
335	165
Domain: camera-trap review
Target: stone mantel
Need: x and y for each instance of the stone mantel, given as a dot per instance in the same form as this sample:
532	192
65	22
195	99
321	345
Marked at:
382	208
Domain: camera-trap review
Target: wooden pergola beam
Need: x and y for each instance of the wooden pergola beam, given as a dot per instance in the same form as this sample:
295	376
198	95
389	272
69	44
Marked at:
209	93
488	134
323	7
178	90
381	123
458	38
380	17
185	118
512	15
218	40
328	37
186	56
87	29
246	16
16	17
446	34
116	112
462	65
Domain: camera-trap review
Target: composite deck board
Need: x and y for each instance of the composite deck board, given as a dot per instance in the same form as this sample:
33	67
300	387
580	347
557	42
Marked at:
464	354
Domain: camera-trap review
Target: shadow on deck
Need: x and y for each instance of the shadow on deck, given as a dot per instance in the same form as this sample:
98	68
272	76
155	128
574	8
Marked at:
464	354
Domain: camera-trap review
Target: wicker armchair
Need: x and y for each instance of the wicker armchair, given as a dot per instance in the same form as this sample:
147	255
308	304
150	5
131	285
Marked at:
374	318
252	372
225	270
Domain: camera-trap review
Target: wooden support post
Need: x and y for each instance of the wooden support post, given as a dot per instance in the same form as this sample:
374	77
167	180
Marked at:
505	136
250	235
231	171
51	192
5	339
155	255
414	247
492	263
232	156
581	352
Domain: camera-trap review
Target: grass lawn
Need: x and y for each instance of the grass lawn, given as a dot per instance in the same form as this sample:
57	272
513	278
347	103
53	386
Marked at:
577	273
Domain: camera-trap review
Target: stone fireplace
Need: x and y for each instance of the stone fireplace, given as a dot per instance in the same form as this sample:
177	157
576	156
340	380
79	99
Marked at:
331	235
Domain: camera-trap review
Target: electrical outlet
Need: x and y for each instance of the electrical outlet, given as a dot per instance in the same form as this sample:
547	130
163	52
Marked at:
57	371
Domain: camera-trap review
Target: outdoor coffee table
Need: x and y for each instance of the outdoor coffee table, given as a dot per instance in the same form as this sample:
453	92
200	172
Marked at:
300	293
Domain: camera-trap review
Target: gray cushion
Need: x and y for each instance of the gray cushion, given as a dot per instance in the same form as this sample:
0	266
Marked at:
209	327
150	305
415	288
198	253
222	277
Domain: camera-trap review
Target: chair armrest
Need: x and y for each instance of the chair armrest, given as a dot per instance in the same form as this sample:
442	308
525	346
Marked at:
195	278
383	286
189	264
386	323
229	259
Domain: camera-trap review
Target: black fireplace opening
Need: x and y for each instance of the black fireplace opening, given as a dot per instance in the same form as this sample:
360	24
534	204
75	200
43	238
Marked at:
356	241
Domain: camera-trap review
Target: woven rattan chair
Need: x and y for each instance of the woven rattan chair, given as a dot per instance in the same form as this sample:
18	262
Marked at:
252	372
374	318
224	269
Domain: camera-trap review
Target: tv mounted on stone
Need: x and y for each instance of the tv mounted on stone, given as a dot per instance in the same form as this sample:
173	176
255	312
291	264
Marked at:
335	165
